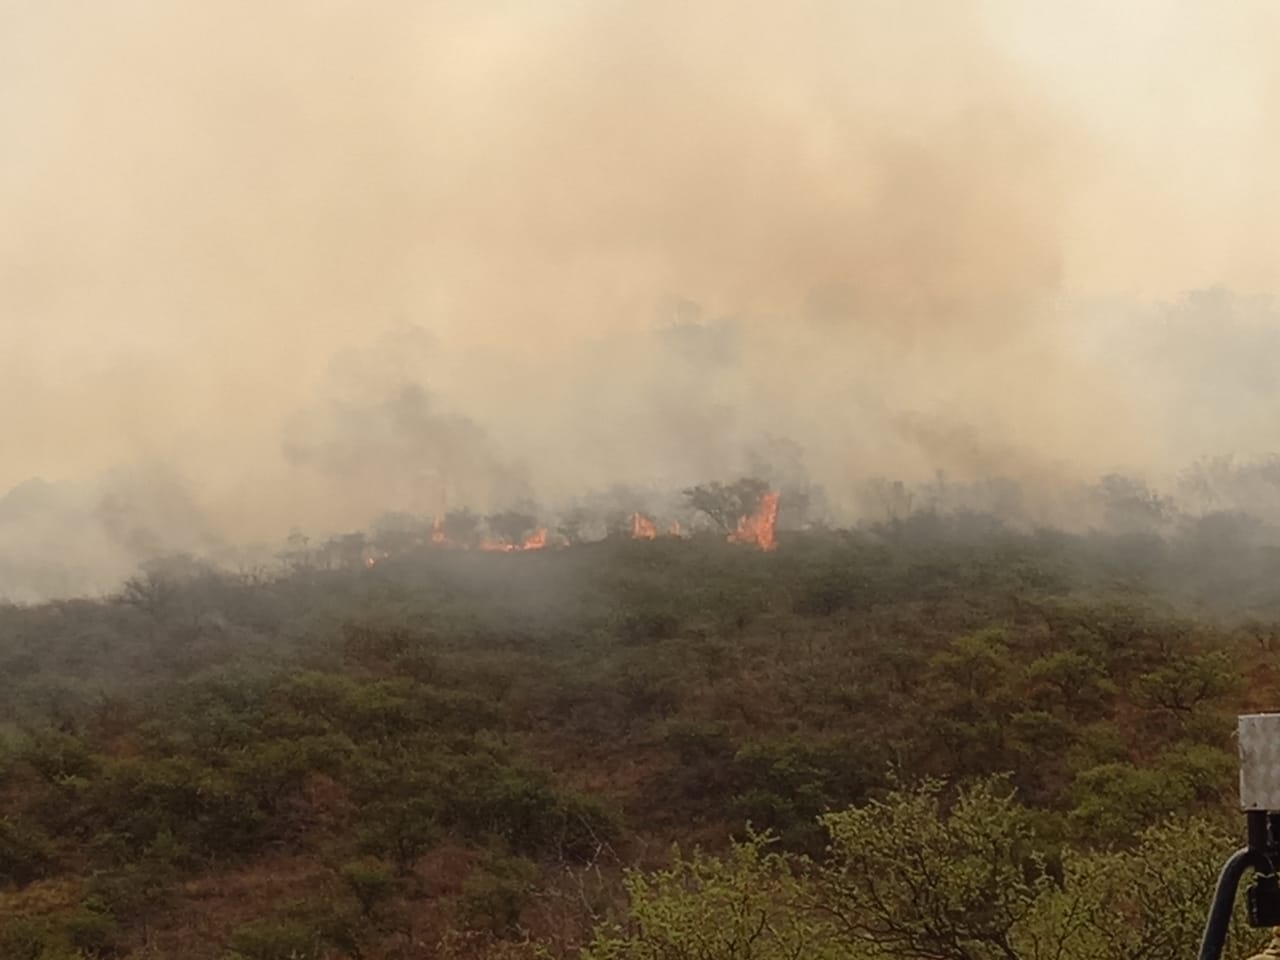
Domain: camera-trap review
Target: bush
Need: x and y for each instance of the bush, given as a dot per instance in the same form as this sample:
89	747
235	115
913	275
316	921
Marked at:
371	881
178	798
25	852
92	932
789	783
135	888
23	939
494	896
57	755
524	810
276	940
648	625
400	828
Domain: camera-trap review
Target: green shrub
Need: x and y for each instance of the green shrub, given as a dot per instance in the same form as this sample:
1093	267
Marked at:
178	798
400	828
23	939
494	896
648	625
371	881
523	809
58	755
25	852
92	932
276	940
133	889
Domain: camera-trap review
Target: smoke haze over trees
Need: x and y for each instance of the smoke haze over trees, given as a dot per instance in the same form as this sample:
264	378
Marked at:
312	265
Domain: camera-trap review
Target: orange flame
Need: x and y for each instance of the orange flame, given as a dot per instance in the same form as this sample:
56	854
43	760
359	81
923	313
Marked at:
676	529
642	528
534	541
757	528
437	532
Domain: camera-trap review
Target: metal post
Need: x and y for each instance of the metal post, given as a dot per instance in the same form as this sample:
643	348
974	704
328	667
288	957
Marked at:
1258	736
1224	899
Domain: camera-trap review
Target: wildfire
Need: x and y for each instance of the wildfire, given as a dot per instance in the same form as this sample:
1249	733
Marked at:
757	528
534	541
642	528
506	533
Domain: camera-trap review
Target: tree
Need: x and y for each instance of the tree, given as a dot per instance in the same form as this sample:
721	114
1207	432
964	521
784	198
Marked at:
574	524
1070	679
461	527
512	526
1129	505
346	550
402	828
1115	801
297	555
495	895
397	533
893	498
276	940
919	877
1147	903
1183	683
975	663
25	853
916	881
370	881
749	905
725	504
974	701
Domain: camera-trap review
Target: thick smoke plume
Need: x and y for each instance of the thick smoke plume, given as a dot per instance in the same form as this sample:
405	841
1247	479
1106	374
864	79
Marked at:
302	263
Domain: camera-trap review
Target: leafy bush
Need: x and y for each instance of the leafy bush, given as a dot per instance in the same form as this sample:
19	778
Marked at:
371	881
25	852
401	828
92	932
23	939
494	896
276	940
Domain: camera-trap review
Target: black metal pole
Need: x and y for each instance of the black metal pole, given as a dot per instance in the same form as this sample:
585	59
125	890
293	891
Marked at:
1258	829
1224	898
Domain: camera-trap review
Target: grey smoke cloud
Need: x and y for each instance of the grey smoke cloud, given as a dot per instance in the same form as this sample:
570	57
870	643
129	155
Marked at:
324	259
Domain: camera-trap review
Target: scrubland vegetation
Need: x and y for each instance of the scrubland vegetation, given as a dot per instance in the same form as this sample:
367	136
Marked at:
937	738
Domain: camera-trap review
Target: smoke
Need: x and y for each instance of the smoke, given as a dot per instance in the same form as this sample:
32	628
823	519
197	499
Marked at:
87	537
378	435
322	260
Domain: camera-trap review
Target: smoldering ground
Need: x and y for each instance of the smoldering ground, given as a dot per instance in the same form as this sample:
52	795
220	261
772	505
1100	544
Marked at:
316	262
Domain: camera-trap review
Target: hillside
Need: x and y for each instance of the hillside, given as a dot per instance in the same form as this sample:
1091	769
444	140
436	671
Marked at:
456	754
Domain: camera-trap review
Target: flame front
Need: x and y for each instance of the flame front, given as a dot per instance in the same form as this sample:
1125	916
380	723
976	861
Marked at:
534	541
755	529
537	540
758	528
642	528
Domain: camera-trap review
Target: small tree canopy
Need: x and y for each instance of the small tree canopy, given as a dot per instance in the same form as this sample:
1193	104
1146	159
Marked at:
725	504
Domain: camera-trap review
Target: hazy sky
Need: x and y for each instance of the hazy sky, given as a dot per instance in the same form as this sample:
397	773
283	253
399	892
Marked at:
1179	100
211	213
